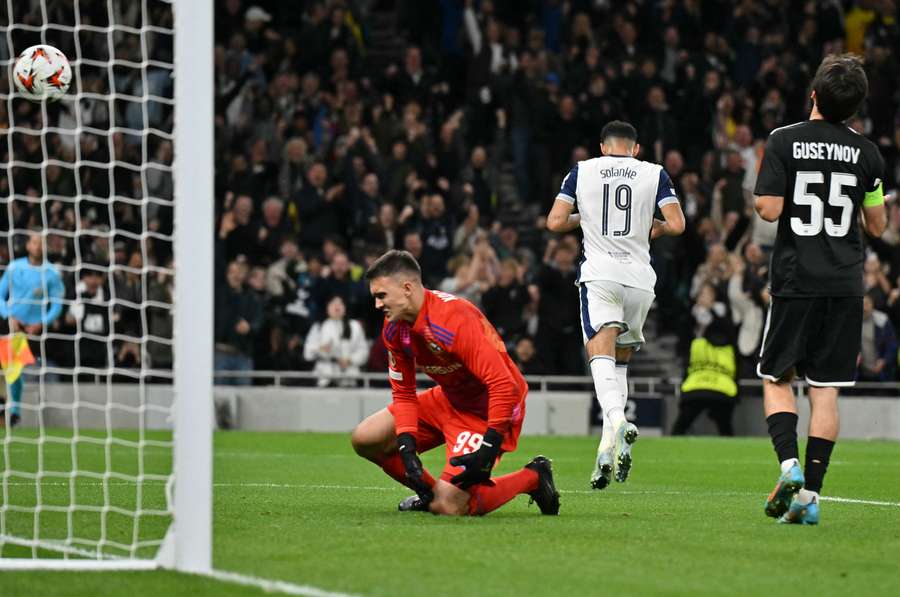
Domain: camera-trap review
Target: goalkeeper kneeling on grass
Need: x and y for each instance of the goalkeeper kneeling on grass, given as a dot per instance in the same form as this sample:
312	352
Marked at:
476	410
31	293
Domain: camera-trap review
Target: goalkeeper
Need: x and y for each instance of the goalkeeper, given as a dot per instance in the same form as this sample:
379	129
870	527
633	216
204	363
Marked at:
31	293
476	409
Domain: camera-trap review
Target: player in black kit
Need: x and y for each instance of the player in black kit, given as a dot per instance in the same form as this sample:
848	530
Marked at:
816	178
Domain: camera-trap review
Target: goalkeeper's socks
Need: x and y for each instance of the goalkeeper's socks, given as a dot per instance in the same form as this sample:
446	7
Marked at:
15	396
393	466
818	453
622	379
489	496
603	370
783	431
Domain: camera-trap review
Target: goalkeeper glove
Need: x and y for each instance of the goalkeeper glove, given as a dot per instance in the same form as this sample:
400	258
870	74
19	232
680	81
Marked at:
406	444
478	464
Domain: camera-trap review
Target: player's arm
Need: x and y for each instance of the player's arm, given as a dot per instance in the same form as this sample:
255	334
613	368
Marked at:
771	181
481	350
874	213
873	210
769	207
668	204
561	218
402	374
673	224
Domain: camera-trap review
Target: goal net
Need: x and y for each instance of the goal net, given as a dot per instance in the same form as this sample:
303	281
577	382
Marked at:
106	443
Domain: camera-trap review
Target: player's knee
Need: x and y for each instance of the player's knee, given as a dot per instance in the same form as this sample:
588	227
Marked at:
361	440
446	507
623	354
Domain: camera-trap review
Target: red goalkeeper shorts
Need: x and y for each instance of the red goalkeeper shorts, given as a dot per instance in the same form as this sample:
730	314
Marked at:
461	432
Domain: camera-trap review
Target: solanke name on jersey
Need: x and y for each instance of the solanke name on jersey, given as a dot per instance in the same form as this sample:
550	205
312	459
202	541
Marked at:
806	150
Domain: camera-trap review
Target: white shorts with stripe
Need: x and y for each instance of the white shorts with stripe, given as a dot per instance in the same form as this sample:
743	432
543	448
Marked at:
609	304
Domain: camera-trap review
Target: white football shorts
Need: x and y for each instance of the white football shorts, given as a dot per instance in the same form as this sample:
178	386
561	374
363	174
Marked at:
609	304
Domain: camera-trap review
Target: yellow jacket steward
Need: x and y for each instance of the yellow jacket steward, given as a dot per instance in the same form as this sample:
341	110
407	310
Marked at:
711	368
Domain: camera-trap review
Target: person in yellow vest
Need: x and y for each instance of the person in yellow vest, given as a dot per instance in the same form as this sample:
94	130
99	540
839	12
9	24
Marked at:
710	383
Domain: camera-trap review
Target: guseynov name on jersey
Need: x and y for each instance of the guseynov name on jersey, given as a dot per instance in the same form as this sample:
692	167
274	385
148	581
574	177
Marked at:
806	150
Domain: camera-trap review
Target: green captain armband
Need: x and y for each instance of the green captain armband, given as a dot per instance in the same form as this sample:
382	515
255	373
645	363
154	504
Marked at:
875	197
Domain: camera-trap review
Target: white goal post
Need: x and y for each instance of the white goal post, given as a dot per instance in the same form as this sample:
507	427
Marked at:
187	482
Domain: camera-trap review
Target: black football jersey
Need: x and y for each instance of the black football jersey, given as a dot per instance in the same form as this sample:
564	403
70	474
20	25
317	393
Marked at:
823	170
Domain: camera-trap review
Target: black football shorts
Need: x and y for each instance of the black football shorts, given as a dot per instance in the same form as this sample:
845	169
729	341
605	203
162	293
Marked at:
820	336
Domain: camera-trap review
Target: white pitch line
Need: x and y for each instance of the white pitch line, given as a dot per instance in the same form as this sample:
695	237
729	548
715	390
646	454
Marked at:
841	500
855	501
272	586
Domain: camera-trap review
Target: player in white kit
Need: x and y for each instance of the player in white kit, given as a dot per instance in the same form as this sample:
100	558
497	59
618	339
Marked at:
616	196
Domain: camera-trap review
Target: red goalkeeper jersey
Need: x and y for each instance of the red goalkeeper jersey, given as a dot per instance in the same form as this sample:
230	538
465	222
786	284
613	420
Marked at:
456	346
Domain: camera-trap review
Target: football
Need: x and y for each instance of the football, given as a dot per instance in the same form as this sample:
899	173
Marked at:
42	72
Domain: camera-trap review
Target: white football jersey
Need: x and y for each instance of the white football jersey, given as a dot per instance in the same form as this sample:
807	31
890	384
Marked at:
616	197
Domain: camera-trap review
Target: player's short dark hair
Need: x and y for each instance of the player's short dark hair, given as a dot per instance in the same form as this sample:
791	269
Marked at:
392	263
841	86
618	129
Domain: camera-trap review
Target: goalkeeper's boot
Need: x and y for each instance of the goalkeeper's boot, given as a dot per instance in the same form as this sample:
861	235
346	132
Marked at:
626	434
603	469
789	483
546	496
798	513
413	503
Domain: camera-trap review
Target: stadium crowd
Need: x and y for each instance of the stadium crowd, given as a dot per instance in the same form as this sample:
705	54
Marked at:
330	150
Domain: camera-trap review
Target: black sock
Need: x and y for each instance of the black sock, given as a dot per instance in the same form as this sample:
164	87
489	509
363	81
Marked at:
818	453
783	431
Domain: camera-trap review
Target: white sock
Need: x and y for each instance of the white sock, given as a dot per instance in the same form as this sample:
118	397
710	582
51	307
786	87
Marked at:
622	379
608	435
805	496
787	464
603	370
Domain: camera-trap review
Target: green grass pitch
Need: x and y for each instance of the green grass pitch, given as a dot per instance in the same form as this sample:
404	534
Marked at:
303	508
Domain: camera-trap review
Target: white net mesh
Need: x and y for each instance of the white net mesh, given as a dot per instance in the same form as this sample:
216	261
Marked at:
85	472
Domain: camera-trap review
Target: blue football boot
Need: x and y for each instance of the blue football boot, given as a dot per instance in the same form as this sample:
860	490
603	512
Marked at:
788	484
802	513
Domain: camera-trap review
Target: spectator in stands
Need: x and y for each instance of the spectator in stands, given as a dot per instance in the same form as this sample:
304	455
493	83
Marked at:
714	271
878	357
237	229
88	318
659	130
504	304
526	357
238	319
320	209
283	351
337	345
294	165
339	282
559	336
159	319
384	233
273	229
479	183
748	298
128	289
707	309
436	228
